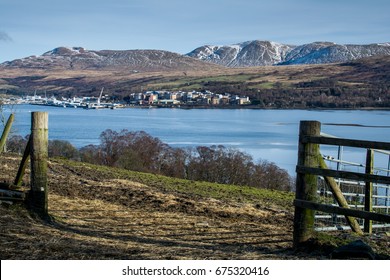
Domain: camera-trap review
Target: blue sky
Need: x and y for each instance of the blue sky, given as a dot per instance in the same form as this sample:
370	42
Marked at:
32	27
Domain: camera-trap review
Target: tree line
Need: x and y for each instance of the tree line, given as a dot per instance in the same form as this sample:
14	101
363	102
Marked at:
139	151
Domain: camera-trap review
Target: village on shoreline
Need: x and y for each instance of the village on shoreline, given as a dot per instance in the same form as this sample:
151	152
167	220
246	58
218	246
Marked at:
161	99
164	99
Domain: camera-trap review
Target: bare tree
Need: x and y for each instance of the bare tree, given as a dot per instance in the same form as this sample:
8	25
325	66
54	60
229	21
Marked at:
139	151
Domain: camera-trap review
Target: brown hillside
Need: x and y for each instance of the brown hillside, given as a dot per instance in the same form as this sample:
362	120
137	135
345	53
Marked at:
358	84
97	215
105	213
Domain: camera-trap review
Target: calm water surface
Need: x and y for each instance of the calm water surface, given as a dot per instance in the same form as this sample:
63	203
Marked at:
265	134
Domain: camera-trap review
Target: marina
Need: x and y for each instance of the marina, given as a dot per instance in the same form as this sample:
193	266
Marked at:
146	99
75	102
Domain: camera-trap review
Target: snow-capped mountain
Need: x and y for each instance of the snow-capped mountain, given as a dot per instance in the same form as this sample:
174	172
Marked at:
325	52
251	53
260	53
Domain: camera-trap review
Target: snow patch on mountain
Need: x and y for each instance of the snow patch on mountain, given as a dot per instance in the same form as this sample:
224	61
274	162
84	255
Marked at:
260	53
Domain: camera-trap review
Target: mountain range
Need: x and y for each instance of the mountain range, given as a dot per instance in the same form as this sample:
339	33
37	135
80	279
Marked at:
208	57
78	58
263	53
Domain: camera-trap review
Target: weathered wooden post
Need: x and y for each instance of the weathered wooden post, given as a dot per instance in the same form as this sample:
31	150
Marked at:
22	167
6	131
368	190
306	184
38	158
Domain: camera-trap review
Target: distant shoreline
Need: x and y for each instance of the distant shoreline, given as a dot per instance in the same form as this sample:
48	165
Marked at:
255	107
230	107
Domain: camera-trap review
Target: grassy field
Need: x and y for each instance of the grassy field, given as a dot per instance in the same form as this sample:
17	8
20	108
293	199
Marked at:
107	213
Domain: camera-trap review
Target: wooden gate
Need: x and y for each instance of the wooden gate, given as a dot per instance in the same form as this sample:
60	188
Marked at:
311	166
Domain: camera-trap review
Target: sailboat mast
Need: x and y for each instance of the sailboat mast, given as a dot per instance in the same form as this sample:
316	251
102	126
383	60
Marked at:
100	96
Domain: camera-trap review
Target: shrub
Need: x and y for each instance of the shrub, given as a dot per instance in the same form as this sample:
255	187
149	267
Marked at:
61	148
17	144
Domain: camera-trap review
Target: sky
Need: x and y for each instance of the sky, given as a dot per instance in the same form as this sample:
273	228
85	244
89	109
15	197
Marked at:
32	27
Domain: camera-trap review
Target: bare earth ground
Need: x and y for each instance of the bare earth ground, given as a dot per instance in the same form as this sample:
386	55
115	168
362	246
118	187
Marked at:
96	215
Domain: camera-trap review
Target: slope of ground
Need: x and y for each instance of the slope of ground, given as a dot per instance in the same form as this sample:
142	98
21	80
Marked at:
359	84
106	213
63	58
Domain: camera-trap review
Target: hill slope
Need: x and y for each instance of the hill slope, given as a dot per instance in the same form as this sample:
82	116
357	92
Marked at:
129	60
355	84
106	213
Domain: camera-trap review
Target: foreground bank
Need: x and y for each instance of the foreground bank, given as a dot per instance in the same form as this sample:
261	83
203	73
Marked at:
106	213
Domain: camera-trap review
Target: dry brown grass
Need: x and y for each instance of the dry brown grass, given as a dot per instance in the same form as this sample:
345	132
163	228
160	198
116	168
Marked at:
94	229
100	214
95	217
49	79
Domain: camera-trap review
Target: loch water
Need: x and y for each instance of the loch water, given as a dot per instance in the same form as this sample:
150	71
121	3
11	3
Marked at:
270	135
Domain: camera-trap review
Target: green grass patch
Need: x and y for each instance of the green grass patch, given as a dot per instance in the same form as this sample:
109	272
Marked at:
232	193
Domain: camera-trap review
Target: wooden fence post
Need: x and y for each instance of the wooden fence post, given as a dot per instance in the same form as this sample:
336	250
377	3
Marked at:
23	164
368	190
6	131
39	155
306	184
